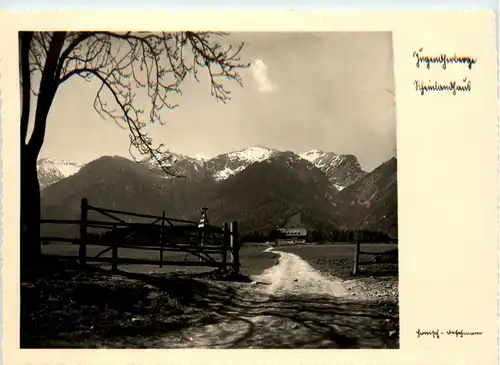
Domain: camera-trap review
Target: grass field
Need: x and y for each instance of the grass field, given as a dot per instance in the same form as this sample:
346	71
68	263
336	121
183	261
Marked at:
337	259
342	250
252	259
64	306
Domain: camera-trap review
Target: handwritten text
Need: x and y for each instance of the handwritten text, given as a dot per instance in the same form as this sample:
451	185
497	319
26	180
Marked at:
451	86
443	59
437	333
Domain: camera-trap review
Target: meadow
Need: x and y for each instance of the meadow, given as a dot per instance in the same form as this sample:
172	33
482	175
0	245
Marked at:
253	258
143	306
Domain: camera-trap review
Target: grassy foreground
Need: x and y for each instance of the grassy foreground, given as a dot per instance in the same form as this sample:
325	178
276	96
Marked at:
337	260
64	306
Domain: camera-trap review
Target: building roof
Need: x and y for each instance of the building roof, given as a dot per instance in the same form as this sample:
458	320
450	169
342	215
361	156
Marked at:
293	231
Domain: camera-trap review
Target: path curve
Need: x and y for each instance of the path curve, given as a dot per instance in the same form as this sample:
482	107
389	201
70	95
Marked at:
294	276
264	321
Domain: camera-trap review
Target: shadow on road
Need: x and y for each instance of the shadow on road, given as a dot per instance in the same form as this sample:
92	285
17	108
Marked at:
132	310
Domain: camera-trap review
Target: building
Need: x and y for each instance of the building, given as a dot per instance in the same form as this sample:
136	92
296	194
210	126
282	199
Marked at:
291	236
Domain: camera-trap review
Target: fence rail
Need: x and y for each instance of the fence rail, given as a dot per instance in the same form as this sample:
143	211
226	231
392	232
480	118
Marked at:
358	252
163	234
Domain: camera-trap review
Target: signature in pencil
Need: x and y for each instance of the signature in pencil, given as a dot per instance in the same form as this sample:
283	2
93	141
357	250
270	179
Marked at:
436	333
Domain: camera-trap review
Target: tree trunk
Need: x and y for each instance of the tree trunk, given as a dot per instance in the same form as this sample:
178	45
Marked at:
30	187
30	192
30	210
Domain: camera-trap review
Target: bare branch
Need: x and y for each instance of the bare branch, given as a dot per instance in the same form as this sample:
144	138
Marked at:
141	62
48	88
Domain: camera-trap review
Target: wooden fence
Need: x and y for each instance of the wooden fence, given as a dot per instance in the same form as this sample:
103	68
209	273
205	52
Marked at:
358	252
212	246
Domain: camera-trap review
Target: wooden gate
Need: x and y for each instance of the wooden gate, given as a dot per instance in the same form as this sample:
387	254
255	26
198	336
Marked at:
209	246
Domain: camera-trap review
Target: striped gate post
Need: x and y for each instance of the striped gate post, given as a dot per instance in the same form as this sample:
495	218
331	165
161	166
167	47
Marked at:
202	224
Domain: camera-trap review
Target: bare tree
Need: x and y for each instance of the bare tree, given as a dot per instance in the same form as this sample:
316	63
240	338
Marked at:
124	64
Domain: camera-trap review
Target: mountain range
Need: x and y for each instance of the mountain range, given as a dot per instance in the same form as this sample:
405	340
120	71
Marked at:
260	187
51	171
341	170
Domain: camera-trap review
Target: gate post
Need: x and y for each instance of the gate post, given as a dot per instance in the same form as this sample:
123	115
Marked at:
356	258
235	247
225	241
162	238
83	231
114	245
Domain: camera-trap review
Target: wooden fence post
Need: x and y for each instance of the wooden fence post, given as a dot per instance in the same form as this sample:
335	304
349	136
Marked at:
225	241
83	231
162	238
356	258
114	245
235	247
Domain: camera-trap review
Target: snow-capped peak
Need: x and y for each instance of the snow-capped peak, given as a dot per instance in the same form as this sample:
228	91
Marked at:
312	155
231	163
341	170
174	158
65	168
51	171
251	154
171	158
201	157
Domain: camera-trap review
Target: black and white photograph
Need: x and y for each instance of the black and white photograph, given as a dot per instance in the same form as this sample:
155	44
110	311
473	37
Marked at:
208	189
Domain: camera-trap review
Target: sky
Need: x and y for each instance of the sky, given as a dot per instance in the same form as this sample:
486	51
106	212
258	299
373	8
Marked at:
330	91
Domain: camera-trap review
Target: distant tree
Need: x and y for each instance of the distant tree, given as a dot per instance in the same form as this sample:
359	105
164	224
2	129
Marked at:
124	64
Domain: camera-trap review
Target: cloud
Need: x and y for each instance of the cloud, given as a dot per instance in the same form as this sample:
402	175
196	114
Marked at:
259	73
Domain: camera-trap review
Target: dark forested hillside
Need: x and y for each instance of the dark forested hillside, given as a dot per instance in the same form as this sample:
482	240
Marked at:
281	190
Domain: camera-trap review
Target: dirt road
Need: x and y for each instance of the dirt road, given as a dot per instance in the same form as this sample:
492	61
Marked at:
291	305
294	276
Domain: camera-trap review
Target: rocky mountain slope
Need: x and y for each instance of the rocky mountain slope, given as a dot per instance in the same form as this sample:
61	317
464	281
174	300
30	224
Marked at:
178	164
341	170
261	188
371	202
268	193
51	171
228	164
108	182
